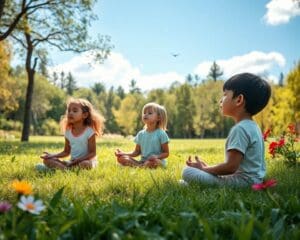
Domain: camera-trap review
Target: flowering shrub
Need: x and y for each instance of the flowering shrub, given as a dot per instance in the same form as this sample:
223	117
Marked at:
284	146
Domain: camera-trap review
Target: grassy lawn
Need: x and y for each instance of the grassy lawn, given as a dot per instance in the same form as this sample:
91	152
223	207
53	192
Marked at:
114	202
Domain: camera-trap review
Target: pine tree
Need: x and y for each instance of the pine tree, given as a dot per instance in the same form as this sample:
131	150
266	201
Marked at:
71	84
133	88
215	71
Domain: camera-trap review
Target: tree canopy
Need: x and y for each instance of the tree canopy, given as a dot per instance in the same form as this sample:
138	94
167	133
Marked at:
36	26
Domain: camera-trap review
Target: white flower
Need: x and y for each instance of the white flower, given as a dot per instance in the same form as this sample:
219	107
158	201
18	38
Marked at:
28	204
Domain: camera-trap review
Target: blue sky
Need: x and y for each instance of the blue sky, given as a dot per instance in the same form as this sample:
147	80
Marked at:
258	36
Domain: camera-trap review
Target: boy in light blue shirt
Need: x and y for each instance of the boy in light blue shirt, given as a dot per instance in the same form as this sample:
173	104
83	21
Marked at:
244	95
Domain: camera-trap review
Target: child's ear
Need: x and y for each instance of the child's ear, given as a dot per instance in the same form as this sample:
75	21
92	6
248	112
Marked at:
240	99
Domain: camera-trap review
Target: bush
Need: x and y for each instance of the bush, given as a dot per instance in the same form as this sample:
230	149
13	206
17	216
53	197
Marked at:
50	128
10	125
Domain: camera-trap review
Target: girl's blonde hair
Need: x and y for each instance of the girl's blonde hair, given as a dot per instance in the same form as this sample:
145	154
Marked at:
94	119
161	112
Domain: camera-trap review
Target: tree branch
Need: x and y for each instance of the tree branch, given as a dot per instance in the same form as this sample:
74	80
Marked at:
43	39
18	40
14	23
25	9
2	4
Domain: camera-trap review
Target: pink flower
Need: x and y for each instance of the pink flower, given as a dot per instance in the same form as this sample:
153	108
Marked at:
5	207
264	185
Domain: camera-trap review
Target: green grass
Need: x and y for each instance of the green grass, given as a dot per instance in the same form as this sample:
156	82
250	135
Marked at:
114	202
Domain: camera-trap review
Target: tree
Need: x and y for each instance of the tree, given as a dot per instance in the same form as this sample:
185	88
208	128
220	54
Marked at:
133	88
207	120
60	24
215	71
70	84
293	83
189	79
156	95
281	109
128	116
54	78
62	80
98	88
10	21
280	80
8	92
110	123
120	92
185	109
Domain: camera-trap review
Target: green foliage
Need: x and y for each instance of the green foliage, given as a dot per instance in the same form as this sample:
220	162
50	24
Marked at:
193	107
293	83
185	109
50	128
113	202
281	109
8	91
10	125
128	116
207	117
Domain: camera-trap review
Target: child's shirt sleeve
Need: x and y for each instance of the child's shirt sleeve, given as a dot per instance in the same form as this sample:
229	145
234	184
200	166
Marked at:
90	132
137	138
238	139
164	138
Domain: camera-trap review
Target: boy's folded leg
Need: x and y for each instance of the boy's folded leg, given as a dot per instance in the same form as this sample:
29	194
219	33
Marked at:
191	174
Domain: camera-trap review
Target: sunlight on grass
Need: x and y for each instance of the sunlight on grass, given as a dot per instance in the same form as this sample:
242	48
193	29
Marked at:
116	194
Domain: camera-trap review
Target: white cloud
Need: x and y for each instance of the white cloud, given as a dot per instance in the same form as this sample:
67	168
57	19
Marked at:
254	62
281	11
118	71
115	71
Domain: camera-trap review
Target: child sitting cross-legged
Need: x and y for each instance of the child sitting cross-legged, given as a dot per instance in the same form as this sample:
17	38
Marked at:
81	124
151	142
244	95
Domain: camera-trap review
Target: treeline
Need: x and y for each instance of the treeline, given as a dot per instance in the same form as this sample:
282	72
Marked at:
193	106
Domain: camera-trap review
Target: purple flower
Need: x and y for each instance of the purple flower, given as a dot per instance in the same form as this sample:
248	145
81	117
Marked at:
5	207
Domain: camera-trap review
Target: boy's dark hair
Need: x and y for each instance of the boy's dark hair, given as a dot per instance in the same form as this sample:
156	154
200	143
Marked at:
255	90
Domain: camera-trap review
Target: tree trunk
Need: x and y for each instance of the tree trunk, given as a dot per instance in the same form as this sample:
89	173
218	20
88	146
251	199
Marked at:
27	110
29	92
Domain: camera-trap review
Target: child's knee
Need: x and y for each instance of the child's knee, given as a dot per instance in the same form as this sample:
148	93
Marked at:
121	159
187	173
89	164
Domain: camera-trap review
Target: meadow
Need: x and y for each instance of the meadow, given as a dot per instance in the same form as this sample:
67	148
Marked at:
114	202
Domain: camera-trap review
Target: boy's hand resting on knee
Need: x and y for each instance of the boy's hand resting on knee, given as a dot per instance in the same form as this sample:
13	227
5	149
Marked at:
198	163
46	155
119	153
